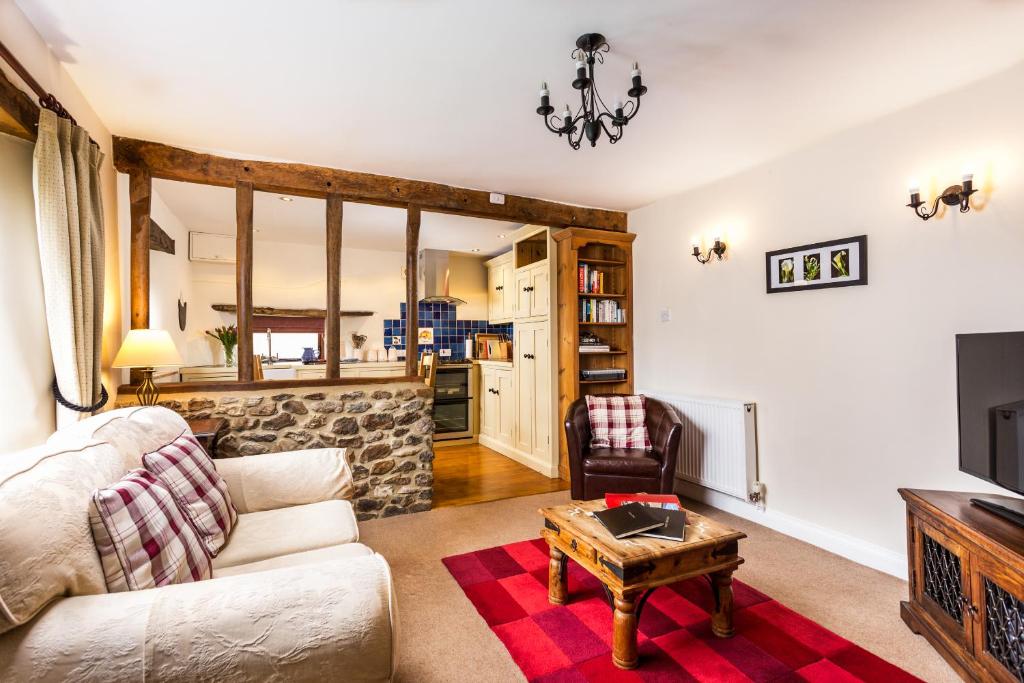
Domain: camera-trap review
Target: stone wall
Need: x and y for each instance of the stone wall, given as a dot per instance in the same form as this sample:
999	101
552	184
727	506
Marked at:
386	429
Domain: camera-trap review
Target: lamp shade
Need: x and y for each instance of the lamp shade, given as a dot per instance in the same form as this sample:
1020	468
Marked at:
147	349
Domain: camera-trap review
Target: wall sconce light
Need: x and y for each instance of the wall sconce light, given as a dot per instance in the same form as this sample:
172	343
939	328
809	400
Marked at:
717	249
951	196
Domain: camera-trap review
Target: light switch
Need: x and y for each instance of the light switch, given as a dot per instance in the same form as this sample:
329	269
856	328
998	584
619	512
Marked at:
666	315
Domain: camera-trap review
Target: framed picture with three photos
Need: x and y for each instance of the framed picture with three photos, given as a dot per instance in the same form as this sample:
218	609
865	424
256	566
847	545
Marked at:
837	263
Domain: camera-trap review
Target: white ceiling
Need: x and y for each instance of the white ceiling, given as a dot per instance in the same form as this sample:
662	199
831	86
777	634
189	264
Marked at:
445	90
204	208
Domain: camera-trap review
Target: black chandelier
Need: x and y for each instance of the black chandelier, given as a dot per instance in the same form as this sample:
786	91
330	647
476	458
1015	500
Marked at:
593	115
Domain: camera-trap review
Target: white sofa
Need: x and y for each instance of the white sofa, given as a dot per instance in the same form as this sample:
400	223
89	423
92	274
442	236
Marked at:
294	596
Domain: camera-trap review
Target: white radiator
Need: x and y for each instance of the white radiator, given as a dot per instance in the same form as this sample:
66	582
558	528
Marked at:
718	448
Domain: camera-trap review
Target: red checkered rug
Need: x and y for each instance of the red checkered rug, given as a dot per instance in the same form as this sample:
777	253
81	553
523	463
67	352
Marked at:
508	586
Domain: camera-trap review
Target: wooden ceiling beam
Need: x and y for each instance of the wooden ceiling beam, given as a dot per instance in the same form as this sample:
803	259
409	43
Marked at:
22	114
173	163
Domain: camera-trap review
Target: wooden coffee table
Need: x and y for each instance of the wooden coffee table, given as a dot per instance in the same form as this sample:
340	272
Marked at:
631	568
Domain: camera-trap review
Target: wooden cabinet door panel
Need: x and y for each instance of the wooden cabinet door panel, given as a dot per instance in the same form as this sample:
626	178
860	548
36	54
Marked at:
943	586
506	405
541	390
525	389
523	295
997	612
508	301
540	294
488	403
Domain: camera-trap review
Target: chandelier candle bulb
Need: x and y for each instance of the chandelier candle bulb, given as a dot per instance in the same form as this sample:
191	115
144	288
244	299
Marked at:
635	73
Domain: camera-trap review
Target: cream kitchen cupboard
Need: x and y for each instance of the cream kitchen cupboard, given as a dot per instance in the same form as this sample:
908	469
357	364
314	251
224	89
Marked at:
533	291
533	383
501	297
497	405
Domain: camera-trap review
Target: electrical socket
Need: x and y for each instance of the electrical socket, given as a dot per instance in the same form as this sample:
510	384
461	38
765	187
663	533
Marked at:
666	315
445	353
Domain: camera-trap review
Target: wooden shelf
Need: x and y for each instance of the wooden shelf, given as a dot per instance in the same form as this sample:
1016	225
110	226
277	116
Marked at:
594	295
602	262
289	312
613	352
584	322
604	381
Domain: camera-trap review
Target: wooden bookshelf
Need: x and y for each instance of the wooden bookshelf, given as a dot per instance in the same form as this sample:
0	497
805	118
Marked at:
612	254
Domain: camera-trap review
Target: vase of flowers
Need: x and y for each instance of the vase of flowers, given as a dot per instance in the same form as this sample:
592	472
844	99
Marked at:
228	338
357	345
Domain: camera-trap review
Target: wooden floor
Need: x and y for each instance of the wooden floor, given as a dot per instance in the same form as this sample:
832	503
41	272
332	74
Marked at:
469	474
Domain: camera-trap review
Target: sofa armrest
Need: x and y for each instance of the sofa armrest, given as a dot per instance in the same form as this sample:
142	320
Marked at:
302	623
278	480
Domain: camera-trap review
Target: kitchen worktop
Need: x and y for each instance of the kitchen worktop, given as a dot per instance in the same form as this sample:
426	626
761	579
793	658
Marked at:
496	363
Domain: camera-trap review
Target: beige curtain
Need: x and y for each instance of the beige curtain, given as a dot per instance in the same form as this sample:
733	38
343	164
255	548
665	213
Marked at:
69	219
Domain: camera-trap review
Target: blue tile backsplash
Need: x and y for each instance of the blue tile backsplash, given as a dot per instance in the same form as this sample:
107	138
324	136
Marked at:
449	331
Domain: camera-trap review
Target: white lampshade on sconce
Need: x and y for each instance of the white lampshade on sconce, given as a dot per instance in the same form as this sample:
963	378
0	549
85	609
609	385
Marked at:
145	350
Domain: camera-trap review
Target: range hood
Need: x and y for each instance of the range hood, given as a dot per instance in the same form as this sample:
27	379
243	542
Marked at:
434	275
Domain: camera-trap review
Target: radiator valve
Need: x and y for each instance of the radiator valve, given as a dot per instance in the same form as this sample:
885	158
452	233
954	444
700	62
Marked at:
756	495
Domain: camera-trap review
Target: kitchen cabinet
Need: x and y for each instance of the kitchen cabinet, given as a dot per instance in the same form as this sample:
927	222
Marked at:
533	382
500	289
533	291
497	406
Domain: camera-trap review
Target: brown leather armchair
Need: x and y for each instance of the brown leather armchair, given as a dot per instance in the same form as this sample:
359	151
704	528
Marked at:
594	472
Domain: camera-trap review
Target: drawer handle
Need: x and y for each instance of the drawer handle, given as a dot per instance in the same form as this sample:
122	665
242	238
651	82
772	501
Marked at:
527	289
572	544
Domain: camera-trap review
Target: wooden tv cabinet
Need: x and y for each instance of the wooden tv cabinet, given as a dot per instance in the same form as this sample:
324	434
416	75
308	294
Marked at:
966	583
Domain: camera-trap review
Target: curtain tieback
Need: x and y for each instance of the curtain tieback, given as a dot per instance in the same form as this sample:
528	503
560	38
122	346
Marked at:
81	409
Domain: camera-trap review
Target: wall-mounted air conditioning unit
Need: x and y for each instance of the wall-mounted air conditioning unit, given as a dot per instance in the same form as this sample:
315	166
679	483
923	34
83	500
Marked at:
205	246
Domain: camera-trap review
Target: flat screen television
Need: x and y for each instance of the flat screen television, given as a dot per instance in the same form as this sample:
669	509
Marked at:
990	399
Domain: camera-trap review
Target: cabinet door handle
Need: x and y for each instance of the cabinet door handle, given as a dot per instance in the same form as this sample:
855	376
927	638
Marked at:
527	289
498	288
529	355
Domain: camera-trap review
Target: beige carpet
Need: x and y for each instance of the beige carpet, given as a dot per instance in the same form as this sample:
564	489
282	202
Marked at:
442	638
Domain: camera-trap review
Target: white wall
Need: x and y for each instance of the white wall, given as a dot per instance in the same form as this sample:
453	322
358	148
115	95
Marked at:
855	387
26	406
25	403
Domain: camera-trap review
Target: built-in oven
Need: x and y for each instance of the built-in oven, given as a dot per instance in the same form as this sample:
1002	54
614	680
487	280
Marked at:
453	402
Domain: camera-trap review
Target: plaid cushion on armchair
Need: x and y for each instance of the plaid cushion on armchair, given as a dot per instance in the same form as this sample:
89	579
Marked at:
143	539
618	422
185	468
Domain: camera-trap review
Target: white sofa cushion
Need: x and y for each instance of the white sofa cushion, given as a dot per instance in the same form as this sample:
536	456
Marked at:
277	480
266	534
46	544
328	554
332	620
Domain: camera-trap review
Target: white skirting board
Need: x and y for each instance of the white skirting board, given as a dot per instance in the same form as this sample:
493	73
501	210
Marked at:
854	549
528	459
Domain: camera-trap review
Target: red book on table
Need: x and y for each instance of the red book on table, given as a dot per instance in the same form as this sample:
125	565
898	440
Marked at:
614	500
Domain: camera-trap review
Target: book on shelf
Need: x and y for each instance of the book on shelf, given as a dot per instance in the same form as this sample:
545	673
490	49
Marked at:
590	281
599	348
601	311
628	520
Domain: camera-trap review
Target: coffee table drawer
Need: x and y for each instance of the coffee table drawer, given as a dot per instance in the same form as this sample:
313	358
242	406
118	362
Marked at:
580	549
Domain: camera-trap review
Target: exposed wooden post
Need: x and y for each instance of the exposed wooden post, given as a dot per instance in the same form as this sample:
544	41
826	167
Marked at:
140	193
332	323
412	247
243	278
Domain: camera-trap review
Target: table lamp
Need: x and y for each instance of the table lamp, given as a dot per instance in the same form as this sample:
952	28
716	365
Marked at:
146	350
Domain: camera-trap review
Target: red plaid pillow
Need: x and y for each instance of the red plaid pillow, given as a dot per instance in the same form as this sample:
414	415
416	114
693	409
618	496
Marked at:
143	539
617	422
199	490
